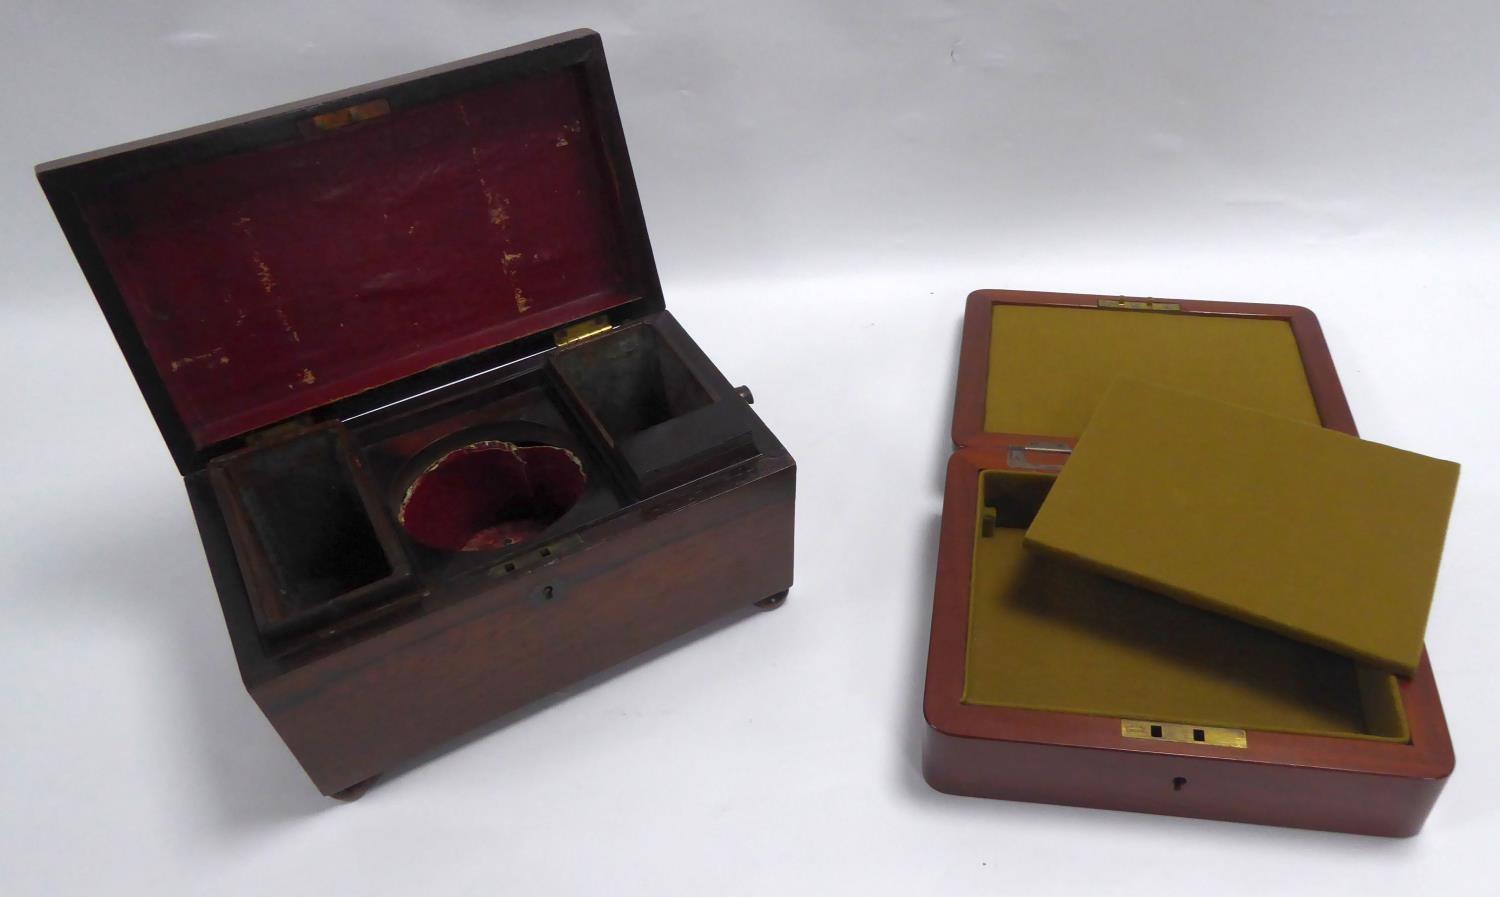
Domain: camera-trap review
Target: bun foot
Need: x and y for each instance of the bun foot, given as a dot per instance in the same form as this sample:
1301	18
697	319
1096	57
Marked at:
355	791
772	602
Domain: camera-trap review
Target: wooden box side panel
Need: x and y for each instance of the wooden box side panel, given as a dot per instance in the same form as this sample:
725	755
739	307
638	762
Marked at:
648	585
1197	787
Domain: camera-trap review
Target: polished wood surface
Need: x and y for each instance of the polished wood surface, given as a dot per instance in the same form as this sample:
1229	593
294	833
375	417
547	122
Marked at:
366	646
475	640
396	692
1338	784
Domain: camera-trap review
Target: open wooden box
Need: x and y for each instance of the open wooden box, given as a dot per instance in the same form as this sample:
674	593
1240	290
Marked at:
447	450
1048	683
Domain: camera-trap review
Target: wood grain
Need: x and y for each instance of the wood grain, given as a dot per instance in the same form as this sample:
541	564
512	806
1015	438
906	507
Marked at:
1337	784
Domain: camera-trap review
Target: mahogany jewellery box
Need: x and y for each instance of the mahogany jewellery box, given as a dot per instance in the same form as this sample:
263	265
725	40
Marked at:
446	448
1049	682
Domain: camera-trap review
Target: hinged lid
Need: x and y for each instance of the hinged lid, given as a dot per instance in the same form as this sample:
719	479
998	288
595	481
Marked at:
1032	366
265	267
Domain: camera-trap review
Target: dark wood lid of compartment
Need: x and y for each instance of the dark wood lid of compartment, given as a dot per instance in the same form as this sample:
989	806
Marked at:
264	267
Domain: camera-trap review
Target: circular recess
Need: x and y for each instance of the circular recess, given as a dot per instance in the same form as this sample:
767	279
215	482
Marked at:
491	494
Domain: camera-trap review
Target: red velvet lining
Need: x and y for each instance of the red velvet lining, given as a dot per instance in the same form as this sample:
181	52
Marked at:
490	495
271	282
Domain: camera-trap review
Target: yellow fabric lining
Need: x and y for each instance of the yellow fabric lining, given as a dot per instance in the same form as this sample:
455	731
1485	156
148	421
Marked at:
1318	535
1050	365
1046	635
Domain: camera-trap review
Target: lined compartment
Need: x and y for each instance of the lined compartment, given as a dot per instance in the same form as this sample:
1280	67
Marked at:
492	465
491	494
304	507
660	424
1046	635
631	381
1050	365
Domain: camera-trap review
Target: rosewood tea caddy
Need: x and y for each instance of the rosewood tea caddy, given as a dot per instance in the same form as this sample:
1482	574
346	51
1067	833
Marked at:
447	450
1047	682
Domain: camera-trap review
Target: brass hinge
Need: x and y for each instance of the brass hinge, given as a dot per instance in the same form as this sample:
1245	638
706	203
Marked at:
1139	305
581	330
1019	456
1212	735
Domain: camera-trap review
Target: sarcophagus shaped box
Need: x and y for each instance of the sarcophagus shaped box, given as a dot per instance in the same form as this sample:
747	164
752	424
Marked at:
447	450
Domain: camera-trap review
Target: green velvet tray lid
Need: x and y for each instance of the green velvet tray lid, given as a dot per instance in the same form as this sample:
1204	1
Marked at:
1319	535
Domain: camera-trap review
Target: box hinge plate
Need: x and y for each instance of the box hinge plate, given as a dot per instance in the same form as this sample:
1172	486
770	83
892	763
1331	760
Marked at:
1139	305
581	330
1038	455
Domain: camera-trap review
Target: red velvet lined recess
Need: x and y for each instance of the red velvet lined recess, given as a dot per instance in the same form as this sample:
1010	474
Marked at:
491	495
274	281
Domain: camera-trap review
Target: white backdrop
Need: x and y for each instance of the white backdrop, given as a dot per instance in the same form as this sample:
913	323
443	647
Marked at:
824	184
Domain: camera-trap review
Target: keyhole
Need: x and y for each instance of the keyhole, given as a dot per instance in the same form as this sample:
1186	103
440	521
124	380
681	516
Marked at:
1178	782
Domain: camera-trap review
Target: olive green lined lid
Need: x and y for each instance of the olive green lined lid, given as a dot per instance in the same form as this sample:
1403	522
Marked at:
1319	535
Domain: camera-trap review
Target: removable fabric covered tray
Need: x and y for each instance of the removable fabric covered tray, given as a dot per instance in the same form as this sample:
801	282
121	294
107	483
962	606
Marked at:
1045	634
1318	535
